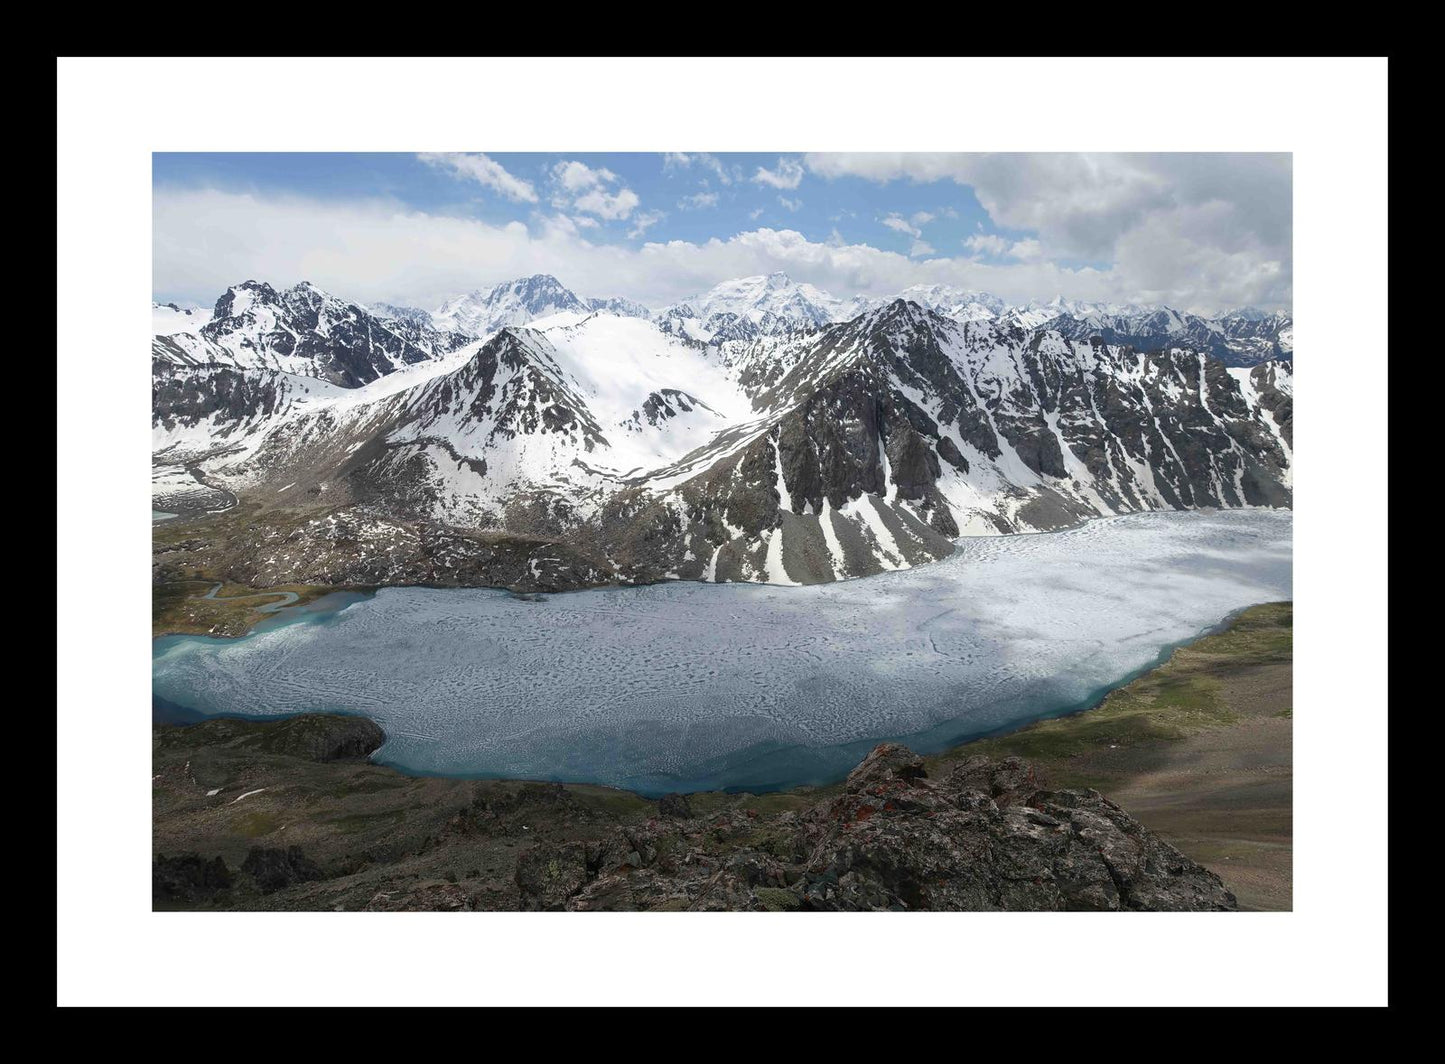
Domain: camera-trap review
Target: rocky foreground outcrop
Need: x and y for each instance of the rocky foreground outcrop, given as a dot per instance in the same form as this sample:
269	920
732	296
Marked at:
291	815
985	837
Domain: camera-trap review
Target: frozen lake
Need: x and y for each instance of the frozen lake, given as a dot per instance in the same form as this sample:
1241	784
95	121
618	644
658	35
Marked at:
696	686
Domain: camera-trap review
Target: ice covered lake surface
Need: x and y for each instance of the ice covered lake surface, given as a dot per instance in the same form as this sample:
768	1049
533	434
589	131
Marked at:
693	686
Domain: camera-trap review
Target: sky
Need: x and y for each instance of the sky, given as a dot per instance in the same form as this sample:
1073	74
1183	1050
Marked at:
1199	232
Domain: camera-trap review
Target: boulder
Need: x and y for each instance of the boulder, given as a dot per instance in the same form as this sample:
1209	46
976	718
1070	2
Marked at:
674	806
275	868
188	877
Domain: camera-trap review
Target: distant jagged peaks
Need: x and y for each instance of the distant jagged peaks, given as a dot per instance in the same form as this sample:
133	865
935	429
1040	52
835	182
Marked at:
626	308
252	297
745	309
1248	314
305	331
399	313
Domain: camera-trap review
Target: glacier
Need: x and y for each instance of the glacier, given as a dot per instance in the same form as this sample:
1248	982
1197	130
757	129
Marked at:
688	686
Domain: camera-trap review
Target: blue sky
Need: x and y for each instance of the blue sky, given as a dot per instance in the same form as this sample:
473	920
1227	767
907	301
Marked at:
1200	232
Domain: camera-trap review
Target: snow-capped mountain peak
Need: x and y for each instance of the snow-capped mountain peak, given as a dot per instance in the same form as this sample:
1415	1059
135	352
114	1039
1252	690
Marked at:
617	447
517	302
305	331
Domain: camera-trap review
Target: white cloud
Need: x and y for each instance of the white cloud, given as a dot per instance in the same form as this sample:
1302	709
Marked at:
370	250
788	175
645	221
610	206
791	204
698	200
1225	219
920	248
901	224
987	244
485	171
576	177
1026	249
580	187
206	240
704	161
922	218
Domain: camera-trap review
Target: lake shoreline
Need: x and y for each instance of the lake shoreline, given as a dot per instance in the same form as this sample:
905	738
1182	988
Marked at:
172	714
804	680
958	542
1199	749
371	798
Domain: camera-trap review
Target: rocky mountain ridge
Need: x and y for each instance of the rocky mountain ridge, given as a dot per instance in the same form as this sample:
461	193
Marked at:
985	836
763	305
305	332
619	447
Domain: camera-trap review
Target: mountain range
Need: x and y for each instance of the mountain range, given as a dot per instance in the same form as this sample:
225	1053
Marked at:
525	436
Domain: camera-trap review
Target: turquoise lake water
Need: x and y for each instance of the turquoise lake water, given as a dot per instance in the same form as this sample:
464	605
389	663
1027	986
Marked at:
690	686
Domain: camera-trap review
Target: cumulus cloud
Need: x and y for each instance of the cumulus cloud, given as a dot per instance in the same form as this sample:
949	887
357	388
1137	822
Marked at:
790	204
787	175
1225	219
612	206
579	187
698	200
474	166
898	223
703	161
206	240
574	176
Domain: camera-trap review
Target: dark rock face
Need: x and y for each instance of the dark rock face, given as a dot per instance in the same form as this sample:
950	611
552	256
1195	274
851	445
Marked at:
984	838
227	396
949	452
339	342
311	736
358	547
324	737
548	875
338	835
518	805
1235	340
1279	403
188	878
674	806
885	764
663	405
273	868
